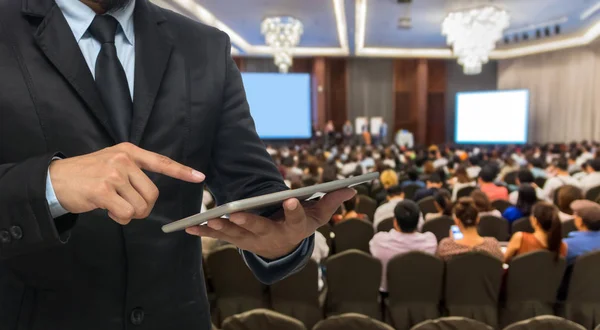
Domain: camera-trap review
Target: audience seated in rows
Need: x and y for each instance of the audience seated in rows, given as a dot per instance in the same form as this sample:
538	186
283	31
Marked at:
413	179
488	187
587	221
525	177
442	203
349	211
560	177
566	195
527	198
460	180
403	238
592	178
466	218
320	252
386	210
547	234
433	184
483	204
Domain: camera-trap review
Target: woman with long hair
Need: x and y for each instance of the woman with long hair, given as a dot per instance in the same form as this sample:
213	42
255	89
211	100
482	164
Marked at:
442	203
483	204
460	180
547	234
525	202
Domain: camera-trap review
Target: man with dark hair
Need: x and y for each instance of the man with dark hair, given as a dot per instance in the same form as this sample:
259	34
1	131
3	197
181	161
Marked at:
488	187
536	166
592	179
525	177
434	183
474	168
403	238
560	170
587	221
413	179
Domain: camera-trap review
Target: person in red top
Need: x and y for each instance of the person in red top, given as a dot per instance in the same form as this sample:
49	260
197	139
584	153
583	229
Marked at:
487	186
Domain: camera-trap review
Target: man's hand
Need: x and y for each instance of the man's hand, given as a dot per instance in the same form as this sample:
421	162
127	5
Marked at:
274	238
112	179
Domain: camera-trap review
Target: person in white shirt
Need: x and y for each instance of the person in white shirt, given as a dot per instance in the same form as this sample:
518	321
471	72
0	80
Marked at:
561	177
474	168
386	211
592	179
320	252
525	176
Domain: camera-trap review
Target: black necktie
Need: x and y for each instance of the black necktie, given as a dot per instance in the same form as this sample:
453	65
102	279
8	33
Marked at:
110	77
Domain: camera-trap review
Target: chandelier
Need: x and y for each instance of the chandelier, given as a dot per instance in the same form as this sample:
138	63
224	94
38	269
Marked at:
282	33
473	35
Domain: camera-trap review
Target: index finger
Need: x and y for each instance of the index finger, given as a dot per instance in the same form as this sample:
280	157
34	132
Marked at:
157	163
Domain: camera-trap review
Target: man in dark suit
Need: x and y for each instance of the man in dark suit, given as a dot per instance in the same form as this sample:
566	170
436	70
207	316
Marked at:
101	102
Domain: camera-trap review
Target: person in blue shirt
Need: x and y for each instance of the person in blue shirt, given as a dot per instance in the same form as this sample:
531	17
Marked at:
413	179
587	238
527	198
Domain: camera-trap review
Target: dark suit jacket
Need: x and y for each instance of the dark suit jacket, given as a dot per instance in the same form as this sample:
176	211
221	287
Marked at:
88	272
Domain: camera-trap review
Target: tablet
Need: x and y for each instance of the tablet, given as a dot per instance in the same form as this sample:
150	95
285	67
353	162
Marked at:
302	194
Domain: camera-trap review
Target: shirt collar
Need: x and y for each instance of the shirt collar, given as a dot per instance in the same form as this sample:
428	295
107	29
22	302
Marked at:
79	17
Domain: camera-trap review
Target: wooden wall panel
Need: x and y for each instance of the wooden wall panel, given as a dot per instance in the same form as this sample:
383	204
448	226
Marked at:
319	97
404	95
336	89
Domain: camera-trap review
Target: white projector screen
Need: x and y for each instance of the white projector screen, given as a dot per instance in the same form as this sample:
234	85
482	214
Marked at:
496	117
280	104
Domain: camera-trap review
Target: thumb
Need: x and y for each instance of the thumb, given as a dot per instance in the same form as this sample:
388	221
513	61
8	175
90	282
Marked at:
332	201
294	212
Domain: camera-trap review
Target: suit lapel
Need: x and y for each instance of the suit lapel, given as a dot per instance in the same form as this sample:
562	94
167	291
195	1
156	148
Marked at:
152	52
55	39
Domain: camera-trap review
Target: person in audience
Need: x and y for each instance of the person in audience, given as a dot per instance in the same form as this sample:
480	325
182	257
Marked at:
592	179
313	171
443	205
349	211
348	131
388	179
350	166
466	218
433	185
292	171
320	252
413	179
587	237
547	234
403	238
474	168
487	186
536	166
460	180
483	204
386	210
440	159
561	177
527	199
510	165
566	195
368	162
573	167
525	177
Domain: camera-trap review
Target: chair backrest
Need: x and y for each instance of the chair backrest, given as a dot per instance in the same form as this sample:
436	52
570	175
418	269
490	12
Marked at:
465	192
262	319
327	231
452	323
352	276
410	190
511	177
501	205
567	227
366	205
523	225
385	225
352	234
230	275
439	226
473	278
534	276
351	321
593	194
545	322
583	287
427	205
492	226
362	189
415	277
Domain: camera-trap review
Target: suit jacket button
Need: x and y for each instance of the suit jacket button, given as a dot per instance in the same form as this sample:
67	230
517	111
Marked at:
16	232
137	316
4	236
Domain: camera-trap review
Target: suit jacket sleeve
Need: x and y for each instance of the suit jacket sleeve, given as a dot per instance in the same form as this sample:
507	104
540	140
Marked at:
242	168
26	224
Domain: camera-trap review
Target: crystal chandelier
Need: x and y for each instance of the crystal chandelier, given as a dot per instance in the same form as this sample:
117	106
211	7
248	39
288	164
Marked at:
473	35
282	34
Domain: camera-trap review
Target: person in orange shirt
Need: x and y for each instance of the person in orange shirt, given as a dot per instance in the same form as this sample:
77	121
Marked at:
366	135
487	186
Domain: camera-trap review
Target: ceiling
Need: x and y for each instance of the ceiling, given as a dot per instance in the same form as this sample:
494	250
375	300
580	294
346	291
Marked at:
370	27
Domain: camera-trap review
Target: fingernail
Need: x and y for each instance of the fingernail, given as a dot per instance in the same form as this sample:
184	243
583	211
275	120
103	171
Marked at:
238	220
198	175
292	204
215	225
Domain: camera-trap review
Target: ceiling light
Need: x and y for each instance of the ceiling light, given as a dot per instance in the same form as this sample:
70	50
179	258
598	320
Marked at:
282	34
473	34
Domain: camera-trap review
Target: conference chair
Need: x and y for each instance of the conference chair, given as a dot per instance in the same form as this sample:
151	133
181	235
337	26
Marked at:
236	288
567	227
452	323
410	190
511	178
465	192
366	205
472	287
298	295
414	282
501	205
545	322
262	319
362	189
351	321
523	225
353	279
386	225
427	205
532	285
593	194
582	304
491	226
439	226
327	231
353	234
